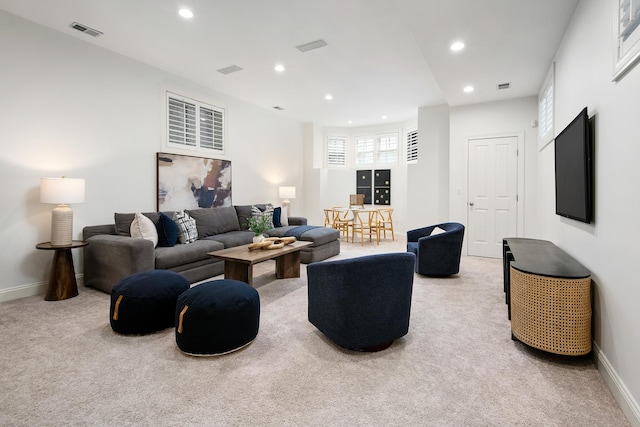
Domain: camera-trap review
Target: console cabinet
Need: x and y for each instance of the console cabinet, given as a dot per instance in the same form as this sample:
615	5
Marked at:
548	295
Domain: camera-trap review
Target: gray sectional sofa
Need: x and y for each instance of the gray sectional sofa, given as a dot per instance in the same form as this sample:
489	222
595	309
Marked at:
112	254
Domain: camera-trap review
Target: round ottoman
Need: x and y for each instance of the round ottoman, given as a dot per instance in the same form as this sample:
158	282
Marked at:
217	317
146	302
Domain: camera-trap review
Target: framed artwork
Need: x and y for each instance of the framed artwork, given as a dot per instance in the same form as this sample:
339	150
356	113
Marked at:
189	182
626	36
363	185
382	186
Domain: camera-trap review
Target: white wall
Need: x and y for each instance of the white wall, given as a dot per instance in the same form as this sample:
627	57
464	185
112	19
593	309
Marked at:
491	119
428	180
70	108
608	247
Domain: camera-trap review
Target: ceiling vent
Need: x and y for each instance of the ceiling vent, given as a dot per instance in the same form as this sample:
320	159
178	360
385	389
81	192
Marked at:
502	86
85	29
230	69
311	45
278	108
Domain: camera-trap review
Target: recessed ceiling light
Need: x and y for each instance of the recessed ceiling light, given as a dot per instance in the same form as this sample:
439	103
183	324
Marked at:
456	46
328	97
350	121
468	89
186	13
279	68
384	117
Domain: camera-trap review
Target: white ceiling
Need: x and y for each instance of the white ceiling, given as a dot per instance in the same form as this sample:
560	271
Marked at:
384	57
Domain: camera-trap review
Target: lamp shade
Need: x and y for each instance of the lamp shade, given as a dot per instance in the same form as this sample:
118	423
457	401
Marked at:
61	191
287	192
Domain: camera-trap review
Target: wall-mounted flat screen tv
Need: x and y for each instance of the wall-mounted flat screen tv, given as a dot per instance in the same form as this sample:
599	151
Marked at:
573	170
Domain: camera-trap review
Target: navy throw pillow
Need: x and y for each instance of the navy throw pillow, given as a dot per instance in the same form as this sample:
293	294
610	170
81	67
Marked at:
277	213
167	231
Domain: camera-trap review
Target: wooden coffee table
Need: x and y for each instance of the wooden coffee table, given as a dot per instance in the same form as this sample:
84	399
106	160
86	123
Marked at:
239	261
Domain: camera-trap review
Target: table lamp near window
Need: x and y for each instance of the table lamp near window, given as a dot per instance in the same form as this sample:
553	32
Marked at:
62	192
287	193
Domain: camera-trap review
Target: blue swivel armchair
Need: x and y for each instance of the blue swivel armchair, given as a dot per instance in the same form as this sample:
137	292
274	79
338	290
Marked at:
362	303
437	255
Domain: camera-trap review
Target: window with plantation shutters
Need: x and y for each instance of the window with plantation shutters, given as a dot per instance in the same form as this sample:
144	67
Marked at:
336	151
377	149
194	125
545	110
412	146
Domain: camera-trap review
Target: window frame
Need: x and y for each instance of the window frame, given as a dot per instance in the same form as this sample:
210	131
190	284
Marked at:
412	147
546	110
210	136
327	151
376	151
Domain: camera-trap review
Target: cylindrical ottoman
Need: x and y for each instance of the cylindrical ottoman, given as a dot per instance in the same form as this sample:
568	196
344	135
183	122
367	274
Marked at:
146	302
217	317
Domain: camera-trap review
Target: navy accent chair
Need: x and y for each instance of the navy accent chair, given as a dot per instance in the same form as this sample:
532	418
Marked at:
437	255
362	303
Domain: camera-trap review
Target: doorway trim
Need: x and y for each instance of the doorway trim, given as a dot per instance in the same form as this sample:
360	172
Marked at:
464	200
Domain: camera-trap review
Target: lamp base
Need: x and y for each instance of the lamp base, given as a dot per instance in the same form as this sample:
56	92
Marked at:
61	225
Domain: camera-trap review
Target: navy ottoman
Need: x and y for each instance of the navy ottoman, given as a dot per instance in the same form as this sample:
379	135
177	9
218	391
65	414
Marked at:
217	317
145	302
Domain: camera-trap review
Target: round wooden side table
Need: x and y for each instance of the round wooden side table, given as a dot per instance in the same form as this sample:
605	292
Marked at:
62	279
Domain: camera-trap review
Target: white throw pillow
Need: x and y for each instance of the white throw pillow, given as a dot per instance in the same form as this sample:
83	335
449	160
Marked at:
187	230
437	231
143	228
284	218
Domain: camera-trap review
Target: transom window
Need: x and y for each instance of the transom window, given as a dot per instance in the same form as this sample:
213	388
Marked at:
194	125
376	149
336	151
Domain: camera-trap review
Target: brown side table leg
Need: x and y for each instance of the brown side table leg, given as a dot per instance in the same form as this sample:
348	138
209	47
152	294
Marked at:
288	265
62	279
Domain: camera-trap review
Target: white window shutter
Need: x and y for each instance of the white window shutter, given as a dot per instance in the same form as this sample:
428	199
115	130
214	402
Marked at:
545	110
412	146
195	125
336	151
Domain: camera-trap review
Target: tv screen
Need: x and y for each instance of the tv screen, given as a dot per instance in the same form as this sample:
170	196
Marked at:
573	170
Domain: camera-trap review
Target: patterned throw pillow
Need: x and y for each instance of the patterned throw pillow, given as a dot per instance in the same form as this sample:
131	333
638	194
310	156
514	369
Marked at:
143	228
188	232
268	213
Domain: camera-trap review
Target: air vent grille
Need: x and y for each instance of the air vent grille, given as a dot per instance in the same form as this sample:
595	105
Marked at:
230	69
311	45
84	29
502	86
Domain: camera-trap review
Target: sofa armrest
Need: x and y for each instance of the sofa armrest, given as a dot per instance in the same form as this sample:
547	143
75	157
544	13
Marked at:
297	220
109	259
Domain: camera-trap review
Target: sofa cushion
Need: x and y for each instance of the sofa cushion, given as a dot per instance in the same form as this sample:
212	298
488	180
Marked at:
188	232
167	231
277	214
123	221
244	212
143	228
178	255
233	238
210	221
317	235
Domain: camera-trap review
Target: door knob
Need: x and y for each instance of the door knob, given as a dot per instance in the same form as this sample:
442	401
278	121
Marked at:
470	203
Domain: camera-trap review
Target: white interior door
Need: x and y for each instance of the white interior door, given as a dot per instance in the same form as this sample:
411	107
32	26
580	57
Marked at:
492	194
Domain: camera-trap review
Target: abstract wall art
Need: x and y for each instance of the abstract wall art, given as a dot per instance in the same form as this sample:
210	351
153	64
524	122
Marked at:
189	182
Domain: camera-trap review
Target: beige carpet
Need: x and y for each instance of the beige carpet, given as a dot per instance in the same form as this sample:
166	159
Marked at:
62	365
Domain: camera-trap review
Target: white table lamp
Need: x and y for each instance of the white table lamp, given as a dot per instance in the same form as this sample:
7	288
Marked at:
62	192
287	193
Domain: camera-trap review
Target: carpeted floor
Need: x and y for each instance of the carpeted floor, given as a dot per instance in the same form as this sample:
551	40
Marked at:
62	365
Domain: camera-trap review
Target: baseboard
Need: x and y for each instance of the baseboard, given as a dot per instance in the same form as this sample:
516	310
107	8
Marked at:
30	290
626	401
23	291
